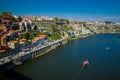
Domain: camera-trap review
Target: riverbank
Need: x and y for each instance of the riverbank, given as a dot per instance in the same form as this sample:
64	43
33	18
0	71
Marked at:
64	62
109	33
80	36
39	52
71	39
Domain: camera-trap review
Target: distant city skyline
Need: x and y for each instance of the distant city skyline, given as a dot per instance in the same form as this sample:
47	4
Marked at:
85	10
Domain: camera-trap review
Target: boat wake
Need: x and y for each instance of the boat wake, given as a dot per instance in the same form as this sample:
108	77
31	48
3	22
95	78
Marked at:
76	74
84	65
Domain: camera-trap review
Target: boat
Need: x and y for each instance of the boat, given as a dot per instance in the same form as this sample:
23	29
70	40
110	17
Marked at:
85	64
107	49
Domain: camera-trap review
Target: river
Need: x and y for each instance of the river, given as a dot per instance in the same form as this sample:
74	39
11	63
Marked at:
65	62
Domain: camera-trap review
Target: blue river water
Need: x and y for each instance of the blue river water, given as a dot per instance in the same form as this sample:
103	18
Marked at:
65	62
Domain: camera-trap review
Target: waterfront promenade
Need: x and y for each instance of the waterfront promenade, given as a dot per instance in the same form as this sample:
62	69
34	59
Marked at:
29	51
66	61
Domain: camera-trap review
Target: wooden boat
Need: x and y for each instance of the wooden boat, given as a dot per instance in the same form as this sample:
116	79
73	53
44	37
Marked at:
85	64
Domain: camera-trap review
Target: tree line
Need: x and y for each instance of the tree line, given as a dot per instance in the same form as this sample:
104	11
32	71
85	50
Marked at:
10	16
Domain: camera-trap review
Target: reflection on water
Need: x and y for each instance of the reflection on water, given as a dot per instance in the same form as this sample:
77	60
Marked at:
13	75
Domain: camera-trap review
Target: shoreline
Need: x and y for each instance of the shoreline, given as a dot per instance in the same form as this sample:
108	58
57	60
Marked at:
108	33
68	40
64	42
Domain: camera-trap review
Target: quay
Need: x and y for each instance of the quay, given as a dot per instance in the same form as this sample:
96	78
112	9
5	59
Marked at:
33	52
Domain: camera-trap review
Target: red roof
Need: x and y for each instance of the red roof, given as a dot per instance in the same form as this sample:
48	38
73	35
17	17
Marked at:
42	36
6	21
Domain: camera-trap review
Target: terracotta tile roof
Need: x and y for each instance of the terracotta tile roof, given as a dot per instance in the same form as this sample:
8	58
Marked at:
1	51
6	21
38	38
42	36
2	48
13	41
21	43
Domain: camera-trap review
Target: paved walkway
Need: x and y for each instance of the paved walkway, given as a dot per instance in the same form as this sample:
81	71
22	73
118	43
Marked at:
28	51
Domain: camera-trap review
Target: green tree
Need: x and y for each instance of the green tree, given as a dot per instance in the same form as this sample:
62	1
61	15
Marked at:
108	22
106	28
6	14
20	36
31	36
65	28
61	20
26	36
19	19
14	19
56	19
82	22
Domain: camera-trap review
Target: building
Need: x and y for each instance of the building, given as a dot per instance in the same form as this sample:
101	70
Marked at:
3	33
39	18
13	44
2	48
39	40
76	27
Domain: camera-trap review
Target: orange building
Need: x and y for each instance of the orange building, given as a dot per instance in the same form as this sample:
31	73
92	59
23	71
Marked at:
6	19
38	38
2	48
3	33
42	36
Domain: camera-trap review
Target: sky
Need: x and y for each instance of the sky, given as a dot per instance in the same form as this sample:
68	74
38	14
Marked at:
96	10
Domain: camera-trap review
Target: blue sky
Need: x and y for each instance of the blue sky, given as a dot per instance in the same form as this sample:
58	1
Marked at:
71	9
